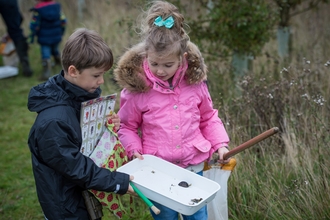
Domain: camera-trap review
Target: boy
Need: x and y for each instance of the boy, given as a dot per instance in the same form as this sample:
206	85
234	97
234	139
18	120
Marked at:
61	172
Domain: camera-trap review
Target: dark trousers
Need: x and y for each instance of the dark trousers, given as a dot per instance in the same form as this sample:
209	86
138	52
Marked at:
12	17
13	20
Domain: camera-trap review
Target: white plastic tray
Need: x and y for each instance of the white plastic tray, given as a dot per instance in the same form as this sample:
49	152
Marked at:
158	180
8	71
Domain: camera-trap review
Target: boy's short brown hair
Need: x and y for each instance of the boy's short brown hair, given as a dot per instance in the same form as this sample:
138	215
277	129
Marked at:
86	49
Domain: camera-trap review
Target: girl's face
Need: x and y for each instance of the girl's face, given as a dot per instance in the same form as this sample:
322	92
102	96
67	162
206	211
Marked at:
89	79
163	68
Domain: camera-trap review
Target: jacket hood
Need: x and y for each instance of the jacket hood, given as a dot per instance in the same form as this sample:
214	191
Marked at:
130	75
50	11
58	91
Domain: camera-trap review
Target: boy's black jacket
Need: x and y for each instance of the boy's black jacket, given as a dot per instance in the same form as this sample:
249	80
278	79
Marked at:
61	172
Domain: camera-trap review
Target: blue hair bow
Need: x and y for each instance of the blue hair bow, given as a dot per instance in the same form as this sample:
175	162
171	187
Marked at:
168	22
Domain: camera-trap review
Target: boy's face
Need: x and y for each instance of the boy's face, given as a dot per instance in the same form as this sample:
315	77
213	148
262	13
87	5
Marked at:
89	79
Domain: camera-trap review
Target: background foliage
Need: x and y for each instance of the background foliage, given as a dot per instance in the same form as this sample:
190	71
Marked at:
242	26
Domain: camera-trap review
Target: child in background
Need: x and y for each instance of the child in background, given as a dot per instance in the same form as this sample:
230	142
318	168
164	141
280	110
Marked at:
48	24
165	107
60	170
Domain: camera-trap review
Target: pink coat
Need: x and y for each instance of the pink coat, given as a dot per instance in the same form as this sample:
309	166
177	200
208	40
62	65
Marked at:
178	125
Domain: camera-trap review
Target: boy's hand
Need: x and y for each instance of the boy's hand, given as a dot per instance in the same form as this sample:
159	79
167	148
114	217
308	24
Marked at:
222	151
115	120
130	188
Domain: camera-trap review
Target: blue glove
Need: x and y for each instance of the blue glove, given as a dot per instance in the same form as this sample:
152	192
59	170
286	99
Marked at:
31	39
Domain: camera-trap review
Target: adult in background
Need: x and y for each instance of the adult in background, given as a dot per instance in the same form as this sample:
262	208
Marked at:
13	19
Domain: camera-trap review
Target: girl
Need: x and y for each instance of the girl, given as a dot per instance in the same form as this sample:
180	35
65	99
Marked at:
166	109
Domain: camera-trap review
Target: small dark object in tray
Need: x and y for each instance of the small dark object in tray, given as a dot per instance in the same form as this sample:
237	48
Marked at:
197	200
184	184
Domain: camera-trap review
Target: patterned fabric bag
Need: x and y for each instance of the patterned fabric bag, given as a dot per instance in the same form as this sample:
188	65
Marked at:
110	154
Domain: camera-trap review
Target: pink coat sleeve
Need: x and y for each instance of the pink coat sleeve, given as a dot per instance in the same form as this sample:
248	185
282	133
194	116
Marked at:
210	124
130	122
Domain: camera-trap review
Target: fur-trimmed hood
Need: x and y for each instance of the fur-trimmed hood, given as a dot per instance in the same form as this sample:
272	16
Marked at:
129	72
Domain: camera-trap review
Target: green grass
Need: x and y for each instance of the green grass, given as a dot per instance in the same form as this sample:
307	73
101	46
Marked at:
17	187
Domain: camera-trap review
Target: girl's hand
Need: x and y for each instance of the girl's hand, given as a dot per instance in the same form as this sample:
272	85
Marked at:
115	120
222	151
137	155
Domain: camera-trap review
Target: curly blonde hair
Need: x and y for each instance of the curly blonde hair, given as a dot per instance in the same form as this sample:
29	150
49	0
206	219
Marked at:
165	41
